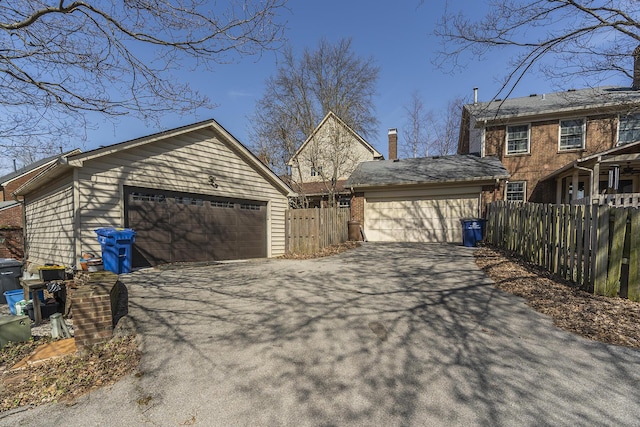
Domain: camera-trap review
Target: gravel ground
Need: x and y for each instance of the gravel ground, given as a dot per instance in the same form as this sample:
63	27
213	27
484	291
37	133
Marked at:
42	330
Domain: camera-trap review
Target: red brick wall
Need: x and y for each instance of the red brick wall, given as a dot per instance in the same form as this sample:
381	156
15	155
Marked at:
12	245
544	156
490	194
11	217
5	194
357	207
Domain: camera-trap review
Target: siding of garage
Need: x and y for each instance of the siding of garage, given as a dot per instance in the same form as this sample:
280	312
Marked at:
419	215
49	223
180	163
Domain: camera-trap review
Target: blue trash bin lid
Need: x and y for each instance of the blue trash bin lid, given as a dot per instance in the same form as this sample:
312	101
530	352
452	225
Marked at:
116	233
472	223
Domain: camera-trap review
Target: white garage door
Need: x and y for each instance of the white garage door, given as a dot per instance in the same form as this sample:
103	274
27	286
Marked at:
416	219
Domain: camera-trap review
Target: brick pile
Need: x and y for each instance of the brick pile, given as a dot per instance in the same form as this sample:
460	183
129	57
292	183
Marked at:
91	306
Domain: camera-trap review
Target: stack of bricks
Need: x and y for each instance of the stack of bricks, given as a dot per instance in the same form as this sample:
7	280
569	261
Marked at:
91	307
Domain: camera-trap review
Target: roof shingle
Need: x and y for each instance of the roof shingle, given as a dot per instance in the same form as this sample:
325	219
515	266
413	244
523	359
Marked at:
427	170
605	97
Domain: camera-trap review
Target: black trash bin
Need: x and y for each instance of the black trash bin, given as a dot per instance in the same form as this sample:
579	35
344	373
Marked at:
472	231
10	273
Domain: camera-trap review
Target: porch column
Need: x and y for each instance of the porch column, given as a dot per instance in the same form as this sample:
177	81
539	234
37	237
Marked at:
595	181
558	191
574	185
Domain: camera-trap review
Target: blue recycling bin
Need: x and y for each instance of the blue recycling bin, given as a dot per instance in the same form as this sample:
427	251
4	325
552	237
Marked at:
117	247
472	231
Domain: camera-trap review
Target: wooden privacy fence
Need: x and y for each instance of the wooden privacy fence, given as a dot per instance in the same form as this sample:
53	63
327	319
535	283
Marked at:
309	230
595	246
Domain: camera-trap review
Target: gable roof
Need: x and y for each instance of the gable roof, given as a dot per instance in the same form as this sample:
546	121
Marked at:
333	116
78	160
583	101
427	170
4	180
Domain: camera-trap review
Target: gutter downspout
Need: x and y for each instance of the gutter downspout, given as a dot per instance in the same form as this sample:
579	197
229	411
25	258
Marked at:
23	205
591	183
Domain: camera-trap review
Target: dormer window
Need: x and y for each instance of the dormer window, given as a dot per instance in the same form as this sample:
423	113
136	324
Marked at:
571	134
518	139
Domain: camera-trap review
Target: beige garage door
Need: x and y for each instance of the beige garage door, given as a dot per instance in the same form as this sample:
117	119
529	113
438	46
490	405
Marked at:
432	219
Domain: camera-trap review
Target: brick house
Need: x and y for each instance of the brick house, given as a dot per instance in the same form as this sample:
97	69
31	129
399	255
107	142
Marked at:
545	141
11	212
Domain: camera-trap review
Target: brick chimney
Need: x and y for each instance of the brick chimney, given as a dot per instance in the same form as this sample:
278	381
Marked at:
636	68
393	144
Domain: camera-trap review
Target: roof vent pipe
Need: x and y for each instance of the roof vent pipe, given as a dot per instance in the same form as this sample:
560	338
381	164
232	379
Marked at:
475	95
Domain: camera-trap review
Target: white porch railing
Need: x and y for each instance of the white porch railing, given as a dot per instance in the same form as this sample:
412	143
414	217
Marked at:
628	200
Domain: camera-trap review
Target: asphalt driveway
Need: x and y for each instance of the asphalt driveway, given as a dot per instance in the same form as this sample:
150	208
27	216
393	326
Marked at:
386	334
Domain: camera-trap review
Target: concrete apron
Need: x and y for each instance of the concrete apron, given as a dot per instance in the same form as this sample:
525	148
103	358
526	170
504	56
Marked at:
387	334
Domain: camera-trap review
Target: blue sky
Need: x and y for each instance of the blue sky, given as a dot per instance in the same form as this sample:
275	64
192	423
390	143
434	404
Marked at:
398	35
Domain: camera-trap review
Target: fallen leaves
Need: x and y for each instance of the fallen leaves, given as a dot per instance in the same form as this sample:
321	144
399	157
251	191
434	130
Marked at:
64	378
608	320
326	251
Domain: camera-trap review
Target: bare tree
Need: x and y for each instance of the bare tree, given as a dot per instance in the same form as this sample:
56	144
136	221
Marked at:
61	59
448	128
565	38
429	133
331	77
418	130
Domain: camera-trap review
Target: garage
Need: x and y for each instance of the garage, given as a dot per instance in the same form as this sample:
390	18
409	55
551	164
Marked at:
177	227
422	199
191	194
419	218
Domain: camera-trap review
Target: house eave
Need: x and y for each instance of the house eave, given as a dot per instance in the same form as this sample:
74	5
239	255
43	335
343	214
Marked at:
52	172
484	180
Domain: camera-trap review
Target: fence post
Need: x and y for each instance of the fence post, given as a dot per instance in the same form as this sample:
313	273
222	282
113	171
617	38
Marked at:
615	257
634	258
601	249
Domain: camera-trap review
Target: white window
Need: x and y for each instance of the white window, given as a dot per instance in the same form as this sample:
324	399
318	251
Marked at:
344	202
629	129
571	134
316	170
516	191
518	139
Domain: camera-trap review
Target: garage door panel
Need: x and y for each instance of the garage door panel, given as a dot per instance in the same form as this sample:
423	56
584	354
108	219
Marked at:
428	219
189	236
153	236
222	218
174	227
248	236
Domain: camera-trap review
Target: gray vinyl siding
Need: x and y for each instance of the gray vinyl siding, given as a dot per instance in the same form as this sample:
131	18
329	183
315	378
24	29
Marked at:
182	163
49	224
